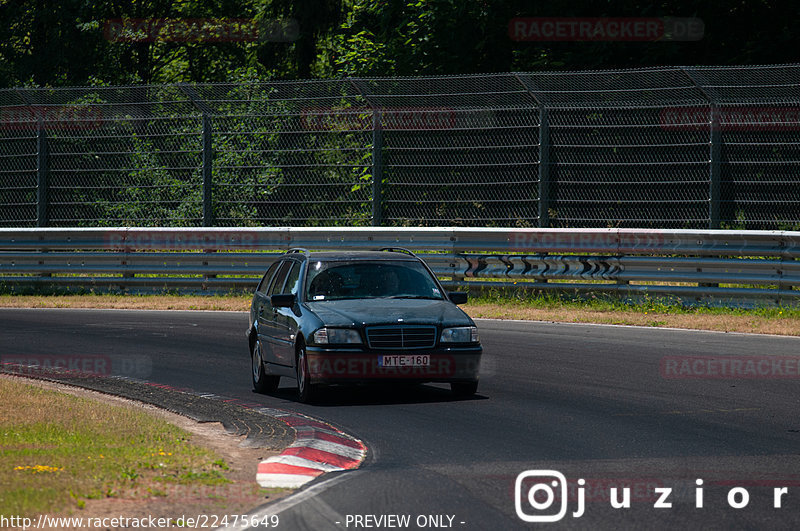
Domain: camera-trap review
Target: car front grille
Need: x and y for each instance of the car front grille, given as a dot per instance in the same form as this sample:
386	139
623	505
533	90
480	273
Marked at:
401	337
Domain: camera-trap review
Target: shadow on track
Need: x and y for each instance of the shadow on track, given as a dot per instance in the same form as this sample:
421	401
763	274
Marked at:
378	394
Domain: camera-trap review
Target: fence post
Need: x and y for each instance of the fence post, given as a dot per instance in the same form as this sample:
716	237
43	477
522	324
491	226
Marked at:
208	150
543	191
42	187
714	192
42	161
208	183
377	168
714	151
544	167
377	151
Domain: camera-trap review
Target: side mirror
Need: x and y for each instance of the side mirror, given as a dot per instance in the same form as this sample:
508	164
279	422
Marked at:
458	297
284	300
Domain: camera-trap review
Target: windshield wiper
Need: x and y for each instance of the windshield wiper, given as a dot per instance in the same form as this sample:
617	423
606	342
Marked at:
414	297
329	299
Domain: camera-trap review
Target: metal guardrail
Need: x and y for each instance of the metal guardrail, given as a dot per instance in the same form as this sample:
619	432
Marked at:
713	267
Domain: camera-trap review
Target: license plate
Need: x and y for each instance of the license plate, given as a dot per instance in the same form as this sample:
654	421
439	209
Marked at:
417	360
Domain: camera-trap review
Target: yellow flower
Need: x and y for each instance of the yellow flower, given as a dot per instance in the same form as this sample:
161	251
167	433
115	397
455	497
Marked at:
39	468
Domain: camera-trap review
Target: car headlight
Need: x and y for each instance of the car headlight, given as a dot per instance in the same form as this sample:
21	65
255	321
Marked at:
336	336
461	334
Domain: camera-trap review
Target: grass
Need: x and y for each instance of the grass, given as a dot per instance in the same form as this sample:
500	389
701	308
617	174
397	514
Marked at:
494	304
59	450
134	302
653	312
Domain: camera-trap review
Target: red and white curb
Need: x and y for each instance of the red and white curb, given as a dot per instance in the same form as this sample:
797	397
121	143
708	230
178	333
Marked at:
318	448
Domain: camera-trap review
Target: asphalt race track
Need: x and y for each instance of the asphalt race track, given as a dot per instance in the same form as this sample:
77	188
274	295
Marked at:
592	402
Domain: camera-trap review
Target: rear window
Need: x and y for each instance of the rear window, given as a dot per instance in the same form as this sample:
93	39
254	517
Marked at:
370	280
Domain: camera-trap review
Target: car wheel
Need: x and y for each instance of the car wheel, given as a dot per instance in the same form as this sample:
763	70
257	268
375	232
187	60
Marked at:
464	389
305	389
262	382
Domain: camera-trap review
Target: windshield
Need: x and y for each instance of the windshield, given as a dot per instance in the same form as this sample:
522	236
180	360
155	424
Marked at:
370	280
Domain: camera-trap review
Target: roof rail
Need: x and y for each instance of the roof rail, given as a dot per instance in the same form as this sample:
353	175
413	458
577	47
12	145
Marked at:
398	250
298	250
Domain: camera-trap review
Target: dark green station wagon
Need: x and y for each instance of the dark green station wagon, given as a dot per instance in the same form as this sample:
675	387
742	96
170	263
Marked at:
354	317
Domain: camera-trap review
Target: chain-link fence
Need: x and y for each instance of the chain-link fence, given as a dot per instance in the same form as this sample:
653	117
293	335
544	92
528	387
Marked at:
672	147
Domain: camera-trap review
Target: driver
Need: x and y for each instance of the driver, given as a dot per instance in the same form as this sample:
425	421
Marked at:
388	282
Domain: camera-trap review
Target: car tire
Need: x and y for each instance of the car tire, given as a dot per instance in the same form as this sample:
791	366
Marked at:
464	389
262	382
306	391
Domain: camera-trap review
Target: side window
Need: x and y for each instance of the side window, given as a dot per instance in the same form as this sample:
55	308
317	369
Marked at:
262	286
277	284
293	280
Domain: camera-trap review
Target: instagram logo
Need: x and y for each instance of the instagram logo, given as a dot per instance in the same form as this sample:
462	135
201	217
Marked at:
535	489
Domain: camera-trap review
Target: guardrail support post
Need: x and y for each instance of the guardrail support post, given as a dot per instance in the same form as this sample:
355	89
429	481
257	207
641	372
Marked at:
544	167
785	260
377	169
41	175
124	263
208	183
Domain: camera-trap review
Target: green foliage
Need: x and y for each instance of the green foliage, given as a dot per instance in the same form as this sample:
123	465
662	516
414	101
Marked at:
65	43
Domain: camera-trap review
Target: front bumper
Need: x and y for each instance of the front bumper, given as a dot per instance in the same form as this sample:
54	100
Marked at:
350	366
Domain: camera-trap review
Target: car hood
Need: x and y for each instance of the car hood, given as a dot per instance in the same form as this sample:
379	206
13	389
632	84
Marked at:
389	311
